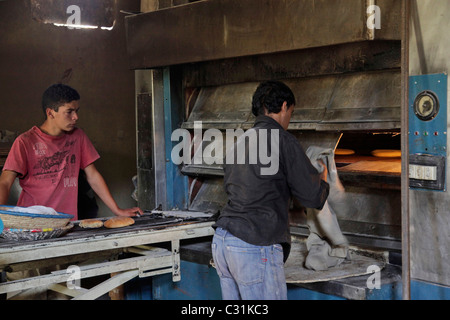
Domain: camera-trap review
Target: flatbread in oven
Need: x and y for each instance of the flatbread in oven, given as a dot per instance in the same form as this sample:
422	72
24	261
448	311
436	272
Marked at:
344	152
386	153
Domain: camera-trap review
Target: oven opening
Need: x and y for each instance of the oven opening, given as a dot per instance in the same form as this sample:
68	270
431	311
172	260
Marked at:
371	159
368	146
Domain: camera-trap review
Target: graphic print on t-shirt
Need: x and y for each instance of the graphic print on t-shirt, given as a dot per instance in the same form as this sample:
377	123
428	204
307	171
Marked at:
53	163
51	167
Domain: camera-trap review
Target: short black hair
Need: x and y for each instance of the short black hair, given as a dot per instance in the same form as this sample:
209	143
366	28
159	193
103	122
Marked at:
270	96
58	94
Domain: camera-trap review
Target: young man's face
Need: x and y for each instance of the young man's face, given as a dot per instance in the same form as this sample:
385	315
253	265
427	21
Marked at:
66	117
286	114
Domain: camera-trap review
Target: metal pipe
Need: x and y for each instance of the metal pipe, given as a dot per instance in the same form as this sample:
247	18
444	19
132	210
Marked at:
406	275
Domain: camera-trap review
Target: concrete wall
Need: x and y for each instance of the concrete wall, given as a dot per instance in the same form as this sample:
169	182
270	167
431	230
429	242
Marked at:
34	55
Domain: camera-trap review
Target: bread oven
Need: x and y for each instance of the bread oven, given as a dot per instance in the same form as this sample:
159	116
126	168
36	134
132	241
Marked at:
342	63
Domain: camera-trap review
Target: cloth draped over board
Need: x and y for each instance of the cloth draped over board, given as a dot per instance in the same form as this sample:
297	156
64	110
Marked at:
327	246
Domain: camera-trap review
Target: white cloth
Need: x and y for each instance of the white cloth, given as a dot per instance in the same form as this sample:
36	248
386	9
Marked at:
327	246
34	209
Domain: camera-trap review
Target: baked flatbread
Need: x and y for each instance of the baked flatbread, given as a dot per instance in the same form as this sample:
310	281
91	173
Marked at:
91	223
119	222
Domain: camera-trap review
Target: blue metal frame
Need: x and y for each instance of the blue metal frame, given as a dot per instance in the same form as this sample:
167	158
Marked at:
177	183
421	290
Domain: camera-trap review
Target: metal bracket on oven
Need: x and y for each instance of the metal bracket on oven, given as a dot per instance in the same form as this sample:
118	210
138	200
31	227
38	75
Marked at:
176	275
163	261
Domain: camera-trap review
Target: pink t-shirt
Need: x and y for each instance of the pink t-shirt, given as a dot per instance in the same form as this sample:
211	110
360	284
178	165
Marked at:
48	167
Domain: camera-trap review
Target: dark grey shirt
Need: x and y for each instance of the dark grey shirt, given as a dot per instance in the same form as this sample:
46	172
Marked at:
258	204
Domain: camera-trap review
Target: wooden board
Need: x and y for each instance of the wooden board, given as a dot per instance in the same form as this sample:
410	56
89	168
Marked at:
358	265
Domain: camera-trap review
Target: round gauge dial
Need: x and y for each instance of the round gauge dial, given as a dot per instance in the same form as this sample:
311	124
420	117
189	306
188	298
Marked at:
426	106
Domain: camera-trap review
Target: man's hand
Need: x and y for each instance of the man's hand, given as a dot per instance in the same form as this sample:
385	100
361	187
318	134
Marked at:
131	212
324	173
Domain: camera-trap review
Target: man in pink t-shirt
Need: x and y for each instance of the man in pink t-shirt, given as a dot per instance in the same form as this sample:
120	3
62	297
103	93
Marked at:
47	159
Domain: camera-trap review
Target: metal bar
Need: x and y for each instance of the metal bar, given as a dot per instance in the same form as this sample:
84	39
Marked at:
145	137
64	290
168	144
145	274
108	285
159	153
406	276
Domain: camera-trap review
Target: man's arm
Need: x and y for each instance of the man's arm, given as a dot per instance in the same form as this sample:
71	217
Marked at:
6	181
99	186
308	185
324	173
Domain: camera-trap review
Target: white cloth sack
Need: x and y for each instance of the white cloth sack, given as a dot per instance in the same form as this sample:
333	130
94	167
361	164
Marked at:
326	245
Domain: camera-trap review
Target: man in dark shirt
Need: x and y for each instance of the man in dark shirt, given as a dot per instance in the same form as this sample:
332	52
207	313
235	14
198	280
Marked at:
252	238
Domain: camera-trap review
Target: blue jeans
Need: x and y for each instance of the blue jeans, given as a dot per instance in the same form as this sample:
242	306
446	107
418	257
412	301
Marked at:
246	271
